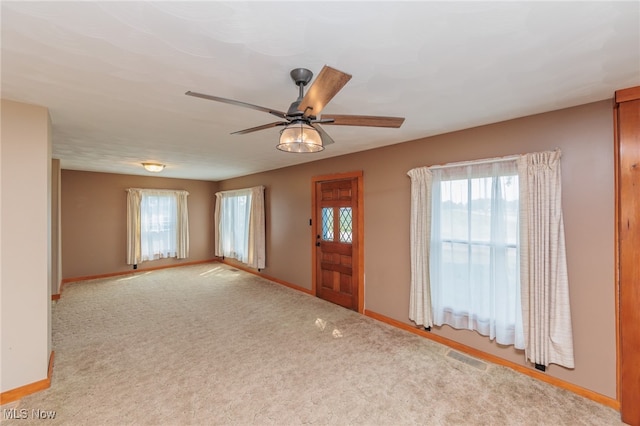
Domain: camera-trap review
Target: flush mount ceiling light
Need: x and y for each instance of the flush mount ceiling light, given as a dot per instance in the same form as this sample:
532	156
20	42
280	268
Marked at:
299	137
153	167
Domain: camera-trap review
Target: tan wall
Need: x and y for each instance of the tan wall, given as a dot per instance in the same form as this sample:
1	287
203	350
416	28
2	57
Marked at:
25	244
585	136
94	227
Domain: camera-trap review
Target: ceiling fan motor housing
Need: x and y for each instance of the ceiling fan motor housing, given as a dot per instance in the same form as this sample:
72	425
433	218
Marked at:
301	76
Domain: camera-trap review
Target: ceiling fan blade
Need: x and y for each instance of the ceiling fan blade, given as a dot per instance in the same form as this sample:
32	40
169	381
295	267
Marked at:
363	120
324	88
264	126
277	113
322	120
326	139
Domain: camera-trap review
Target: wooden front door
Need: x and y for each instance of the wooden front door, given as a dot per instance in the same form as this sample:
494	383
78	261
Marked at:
337	239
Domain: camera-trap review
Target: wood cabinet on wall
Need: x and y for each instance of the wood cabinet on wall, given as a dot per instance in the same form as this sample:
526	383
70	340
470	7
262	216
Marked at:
627	147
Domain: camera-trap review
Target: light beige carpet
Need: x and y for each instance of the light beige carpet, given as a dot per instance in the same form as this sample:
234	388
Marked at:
210	345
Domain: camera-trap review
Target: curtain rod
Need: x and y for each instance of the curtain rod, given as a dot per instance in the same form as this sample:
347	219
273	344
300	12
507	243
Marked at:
231	191
464	163
155	190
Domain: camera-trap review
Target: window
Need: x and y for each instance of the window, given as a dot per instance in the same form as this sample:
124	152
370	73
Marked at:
345	218
234	225
327	223
157	225
488	252
158	222
240	226
346	225
474	249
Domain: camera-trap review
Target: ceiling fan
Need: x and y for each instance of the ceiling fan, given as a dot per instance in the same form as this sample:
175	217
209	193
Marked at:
302	132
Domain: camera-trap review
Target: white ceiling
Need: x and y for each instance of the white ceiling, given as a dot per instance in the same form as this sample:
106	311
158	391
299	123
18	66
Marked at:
113	74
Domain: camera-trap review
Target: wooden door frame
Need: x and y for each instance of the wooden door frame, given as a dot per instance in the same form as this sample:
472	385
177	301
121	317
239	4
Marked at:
359	175
629	411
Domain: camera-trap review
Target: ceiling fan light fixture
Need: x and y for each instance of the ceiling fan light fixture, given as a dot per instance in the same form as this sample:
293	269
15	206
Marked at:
153	167
300	137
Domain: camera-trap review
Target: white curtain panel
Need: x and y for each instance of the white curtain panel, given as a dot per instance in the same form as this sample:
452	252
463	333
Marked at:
157	225
420	293
217	223
134	196
257	255
240	226
232	224
158	217
182	237
474	256
546	312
